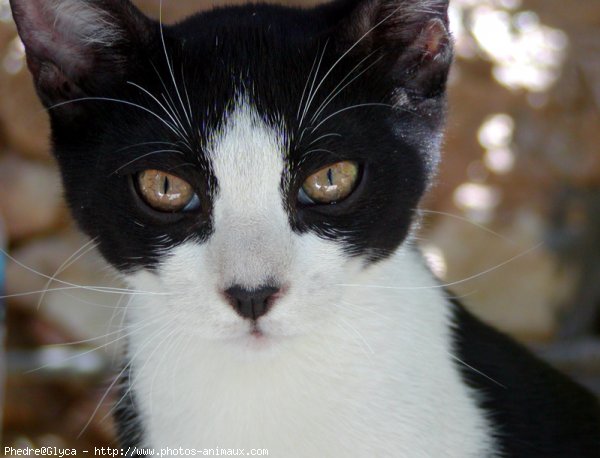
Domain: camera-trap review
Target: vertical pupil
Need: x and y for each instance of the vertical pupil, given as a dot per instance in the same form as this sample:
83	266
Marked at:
165	185
330	176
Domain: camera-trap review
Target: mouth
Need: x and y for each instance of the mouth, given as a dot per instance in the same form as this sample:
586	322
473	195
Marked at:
256	332
257	341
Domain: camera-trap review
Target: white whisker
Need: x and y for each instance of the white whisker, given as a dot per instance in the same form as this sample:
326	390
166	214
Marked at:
84	341
159	363
352	107
306	84
467	220
99	347
125	148
475	370
124	102
110	387
69	285
356	43
66	264
335	92
310	92
162	37
176	121
187	95
151	153
446	285
132	358
360	336
324	136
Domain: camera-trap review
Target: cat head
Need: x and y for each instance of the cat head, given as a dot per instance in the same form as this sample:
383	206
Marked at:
248	159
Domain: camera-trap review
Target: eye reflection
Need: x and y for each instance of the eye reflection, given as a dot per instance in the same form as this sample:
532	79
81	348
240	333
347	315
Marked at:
165	192
331	184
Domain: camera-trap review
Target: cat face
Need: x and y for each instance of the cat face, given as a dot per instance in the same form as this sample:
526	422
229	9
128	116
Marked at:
247	160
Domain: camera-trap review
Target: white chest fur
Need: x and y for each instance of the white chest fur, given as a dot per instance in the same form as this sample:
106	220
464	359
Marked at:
382	382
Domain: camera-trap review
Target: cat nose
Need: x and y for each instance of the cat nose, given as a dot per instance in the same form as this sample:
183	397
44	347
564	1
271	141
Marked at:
251	303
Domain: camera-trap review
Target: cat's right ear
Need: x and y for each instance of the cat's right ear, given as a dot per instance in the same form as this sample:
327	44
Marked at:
409	38
74	48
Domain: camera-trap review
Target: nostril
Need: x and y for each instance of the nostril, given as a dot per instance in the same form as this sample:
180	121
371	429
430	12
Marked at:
251	303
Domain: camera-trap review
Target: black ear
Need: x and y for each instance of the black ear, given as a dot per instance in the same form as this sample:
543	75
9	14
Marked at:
410	37
74	47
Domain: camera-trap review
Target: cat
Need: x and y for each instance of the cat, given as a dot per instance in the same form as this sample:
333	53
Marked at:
253	172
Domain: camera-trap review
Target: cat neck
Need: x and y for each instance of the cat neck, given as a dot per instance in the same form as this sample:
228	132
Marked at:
381	371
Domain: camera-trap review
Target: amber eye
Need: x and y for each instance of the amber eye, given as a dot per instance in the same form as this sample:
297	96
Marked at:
331	184
165	192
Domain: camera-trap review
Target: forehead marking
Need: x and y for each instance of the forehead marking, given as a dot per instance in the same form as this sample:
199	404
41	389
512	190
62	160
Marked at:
247	159
251	242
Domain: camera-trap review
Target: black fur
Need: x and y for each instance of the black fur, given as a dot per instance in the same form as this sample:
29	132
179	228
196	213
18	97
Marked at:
536	411
103	121
129	427
265	54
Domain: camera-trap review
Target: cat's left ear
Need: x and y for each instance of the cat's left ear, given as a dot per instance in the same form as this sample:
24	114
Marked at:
410	38
75	47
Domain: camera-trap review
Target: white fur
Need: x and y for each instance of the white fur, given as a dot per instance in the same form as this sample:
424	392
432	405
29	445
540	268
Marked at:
69	25
93	25
340	371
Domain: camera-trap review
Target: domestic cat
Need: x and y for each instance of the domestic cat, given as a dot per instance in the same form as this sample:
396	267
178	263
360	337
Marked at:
253	172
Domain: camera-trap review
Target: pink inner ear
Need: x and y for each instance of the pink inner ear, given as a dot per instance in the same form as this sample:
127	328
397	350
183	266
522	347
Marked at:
433	39
63	32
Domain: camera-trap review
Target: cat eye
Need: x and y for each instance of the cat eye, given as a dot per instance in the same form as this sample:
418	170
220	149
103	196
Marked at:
331	184
165	192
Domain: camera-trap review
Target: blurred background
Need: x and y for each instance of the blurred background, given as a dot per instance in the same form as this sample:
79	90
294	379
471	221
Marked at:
513	224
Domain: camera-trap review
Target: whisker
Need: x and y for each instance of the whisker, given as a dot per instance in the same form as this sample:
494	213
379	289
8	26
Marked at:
352	107
356	43
130	384
187	95
110	387
171	105
94	304
167	95
84	341
317	150
310	92
99	347
121	325
85	288
130	361
151	153
476	370
162	37
357	307
324	136
124	102
66	264
454	283
175	120
102	399
144	144
467	220
68	284
159	363
183	350
306	84
335	92
360	336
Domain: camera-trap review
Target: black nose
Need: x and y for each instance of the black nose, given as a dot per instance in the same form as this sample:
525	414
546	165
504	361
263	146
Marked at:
251	303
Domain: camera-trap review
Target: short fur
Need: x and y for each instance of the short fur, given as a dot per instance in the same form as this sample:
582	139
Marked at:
361	352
